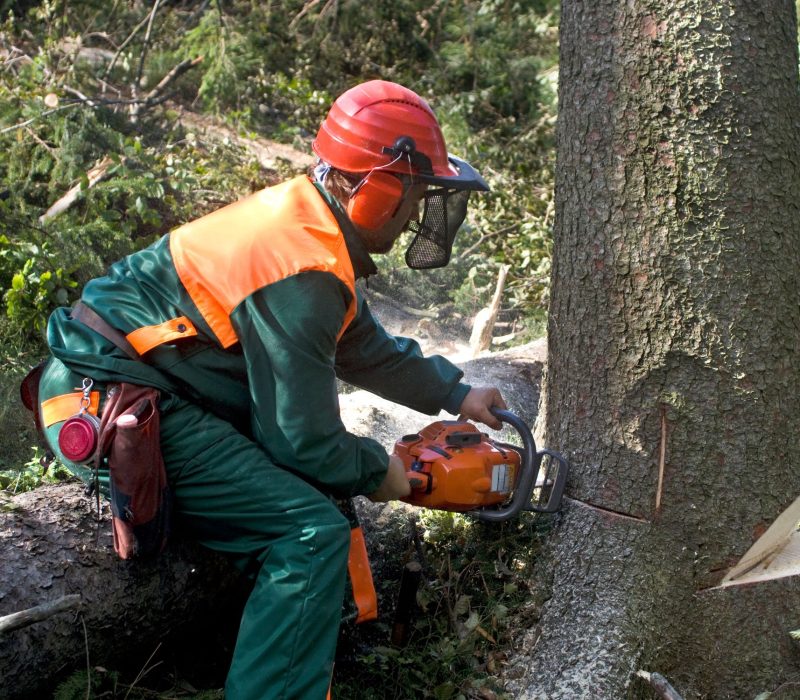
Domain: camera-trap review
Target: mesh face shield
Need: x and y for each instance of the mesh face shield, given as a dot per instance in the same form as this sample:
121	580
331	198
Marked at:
443	214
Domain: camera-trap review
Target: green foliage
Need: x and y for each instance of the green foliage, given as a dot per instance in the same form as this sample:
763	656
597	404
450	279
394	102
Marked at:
101	683
487	66
475	577
75	687
149	184
36	285
229	56
33	474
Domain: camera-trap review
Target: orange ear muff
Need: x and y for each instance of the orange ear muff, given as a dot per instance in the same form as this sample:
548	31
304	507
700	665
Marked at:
375	200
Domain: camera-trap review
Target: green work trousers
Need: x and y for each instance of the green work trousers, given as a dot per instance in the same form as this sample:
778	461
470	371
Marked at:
233	499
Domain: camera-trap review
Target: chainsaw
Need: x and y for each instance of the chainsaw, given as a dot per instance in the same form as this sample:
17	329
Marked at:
453	466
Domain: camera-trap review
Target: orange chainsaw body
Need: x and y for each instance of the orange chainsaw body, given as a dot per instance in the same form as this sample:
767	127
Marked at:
452	466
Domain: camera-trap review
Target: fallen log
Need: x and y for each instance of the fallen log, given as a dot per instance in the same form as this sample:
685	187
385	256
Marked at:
52	545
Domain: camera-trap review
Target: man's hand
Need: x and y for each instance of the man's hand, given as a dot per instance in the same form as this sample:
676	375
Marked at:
395	484
476	405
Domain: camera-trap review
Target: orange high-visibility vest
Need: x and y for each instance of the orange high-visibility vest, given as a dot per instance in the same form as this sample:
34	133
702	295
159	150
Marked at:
225	256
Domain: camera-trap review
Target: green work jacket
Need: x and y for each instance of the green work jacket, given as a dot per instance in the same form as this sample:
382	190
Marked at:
253	312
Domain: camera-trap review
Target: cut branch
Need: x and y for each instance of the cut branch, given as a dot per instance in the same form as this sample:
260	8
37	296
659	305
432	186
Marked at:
79	95
16	620
98	173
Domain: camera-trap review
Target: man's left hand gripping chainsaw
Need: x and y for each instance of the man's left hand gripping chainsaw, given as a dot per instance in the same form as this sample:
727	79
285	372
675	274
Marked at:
452	466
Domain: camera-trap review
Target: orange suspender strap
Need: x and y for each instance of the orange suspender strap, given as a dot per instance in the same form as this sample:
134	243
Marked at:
361	577
139	341
65	406
147	337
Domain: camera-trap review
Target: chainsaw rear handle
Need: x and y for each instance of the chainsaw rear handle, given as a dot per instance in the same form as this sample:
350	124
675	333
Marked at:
529	471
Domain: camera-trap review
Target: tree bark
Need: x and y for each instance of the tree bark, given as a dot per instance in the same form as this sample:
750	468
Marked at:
673	371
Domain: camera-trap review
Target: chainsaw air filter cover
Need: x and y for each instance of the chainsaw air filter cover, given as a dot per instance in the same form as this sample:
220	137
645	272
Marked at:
452	466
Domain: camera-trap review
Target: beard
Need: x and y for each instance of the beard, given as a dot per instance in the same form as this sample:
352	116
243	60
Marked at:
379	247
378	242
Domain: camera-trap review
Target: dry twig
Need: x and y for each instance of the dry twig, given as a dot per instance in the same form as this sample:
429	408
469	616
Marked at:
144	671
660	684
156	95
486	237
306	9
123	45
145	45
47	112
37	614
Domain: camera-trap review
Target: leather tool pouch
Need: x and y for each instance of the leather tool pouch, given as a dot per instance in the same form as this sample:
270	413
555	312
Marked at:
129	441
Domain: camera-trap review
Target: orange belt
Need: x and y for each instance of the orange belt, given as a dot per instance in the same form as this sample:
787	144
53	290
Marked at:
65	406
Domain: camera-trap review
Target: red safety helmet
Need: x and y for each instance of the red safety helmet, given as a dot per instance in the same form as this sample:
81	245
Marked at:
380	124
365	122
380	127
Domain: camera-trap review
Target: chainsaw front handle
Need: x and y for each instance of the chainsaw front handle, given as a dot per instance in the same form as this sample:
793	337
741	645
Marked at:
529	473
529	470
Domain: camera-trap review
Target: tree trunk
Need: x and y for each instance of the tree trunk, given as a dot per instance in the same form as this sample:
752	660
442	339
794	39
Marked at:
673	366
52	546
